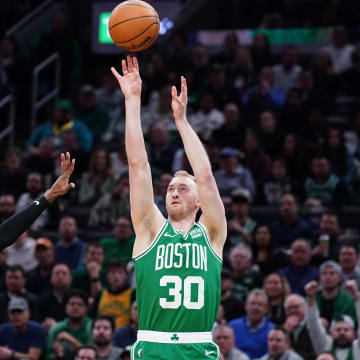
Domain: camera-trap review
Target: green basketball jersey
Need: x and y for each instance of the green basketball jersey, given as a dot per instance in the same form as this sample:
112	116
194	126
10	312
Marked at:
178	281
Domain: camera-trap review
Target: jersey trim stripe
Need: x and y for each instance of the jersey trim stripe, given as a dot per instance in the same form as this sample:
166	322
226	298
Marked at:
132	352
174	337
156	239
207	237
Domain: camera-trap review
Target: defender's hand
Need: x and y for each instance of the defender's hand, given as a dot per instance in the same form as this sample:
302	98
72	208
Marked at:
62	185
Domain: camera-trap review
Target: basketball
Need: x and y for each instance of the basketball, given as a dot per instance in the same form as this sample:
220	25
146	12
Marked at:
134	25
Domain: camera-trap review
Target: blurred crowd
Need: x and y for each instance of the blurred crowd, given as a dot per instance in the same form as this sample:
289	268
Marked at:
283	136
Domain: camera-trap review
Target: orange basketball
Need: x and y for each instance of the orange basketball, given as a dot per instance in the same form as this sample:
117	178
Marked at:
134	25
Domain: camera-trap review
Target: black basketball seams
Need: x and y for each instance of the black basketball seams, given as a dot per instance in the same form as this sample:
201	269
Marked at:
139	17
142	6
122	42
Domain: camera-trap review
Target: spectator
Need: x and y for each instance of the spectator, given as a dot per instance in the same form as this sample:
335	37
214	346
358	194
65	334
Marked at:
290	226
111	205
270	133
256	160
225	339
297	327
229	47
299	272
241	225
61	121
287	72
232	175
331	300
159	110
69	248
233	308
349	259
121	245
22	252
260	51
21	338
293	155
15	281
13	174
349	80
231	133
115	300
67	336
279	346
52	303
326	244
126	335
340	50
91	278
266	258
103	329
43	160
90	113
326	355
342	339
161	150
39	278
208	118
278	184
34	188
251	331
342	162
323	72
245	278
7	206
87	352
160	192
277	290
98	180
111	98
323	185
264	95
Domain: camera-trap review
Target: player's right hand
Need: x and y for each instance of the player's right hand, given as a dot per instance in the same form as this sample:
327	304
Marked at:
130	81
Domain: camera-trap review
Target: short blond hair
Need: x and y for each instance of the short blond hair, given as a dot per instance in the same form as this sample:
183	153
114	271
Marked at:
184	173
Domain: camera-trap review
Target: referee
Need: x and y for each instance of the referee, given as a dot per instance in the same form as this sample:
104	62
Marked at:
14	226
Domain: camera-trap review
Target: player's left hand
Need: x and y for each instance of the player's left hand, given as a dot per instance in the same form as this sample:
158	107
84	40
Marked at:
179	103
62	185
5	353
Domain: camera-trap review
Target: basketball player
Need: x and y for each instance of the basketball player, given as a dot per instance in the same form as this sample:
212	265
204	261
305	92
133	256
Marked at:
13	227
177	260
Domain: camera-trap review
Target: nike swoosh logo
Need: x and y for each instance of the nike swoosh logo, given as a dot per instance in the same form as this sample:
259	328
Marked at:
208	352
169	235
36	202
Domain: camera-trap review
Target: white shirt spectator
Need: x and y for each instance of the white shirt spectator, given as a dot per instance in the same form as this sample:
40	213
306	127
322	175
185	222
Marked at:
285	79
204	124
341	57
22	253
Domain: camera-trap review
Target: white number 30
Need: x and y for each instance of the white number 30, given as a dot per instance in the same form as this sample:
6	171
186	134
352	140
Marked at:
176	292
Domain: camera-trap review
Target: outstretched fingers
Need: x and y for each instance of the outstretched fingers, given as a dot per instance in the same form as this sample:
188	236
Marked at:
173	91
124	67
130	64
115	73
136	64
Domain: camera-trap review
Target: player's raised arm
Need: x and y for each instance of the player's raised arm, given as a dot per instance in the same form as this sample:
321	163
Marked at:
213	212
13	227
141	190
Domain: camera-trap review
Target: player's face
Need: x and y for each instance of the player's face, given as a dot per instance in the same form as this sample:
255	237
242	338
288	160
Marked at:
181	197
